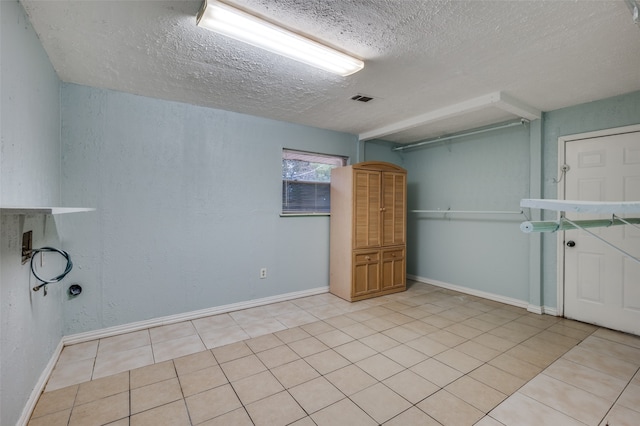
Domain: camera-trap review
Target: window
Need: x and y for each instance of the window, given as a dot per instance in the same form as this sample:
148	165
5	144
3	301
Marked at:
305	181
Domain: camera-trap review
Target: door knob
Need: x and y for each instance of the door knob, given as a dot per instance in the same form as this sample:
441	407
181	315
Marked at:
571	243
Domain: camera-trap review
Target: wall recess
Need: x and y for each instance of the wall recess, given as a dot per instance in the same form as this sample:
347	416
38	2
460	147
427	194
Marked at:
27	239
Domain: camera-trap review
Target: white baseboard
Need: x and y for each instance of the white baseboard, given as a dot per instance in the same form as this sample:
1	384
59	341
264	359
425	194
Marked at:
542	310
548	310
490	296
479	293
187	316
535	309
39	386
141	325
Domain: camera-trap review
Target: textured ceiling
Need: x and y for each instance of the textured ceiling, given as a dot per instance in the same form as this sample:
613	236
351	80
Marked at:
420	56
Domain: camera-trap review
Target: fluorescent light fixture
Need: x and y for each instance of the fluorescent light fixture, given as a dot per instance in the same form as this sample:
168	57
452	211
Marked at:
231	22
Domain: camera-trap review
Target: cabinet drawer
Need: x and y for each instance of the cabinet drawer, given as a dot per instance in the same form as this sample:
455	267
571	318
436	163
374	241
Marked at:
393	254
366	257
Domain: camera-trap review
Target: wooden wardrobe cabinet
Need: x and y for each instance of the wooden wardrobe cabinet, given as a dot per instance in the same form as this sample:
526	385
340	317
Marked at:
368	230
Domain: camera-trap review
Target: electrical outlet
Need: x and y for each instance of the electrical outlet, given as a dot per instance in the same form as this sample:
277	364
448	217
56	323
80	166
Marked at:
263	273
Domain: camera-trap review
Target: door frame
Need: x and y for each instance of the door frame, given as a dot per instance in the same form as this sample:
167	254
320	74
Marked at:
562	142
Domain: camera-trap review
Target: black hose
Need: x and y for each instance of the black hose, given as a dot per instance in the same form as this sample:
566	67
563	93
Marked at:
59	278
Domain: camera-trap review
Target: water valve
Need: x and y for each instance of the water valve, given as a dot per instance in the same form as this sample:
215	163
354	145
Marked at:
75	289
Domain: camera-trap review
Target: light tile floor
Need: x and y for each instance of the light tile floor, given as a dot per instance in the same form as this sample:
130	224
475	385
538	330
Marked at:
427	356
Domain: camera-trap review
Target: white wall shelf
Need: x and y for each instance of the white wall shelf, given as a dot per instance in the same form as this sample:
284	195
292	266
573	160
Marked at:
43	210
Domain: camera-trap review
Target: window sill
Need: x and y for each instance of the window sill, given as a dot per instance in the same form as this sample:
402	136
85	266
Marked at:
303	214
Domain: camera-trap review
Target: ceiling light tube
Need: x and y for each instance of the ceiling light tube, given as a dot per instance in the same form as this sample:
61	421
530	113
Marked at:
237	24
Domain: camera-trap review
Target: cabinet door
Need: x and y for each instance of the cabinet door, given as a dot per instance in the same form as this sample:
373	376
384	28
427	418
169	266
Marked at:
393	268
366	272
394	210
366	209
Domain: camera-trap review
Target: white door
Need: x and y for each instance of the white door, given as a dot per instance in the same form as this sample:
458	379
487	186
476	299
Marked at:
602	286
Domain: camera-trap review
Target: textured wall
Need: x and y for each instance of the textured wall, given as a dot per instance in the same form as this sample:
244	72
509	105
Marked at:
188	201
486	172
30	324
609	113
30	162
491	172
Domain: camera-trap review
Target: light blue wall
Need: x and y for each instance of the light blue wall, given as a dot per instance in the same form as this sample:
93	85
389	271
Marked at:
188	202
30	324
379	150
493	172
608	113
487	172
30	159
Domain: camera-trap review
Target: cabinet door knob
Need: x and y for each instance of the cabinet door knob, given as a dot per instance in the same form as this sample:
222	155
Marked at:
367	257
393	255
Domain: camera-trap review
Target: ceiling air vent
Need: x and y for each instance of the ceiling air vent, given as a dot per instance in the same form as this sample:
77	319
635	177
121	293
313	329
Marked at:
361	98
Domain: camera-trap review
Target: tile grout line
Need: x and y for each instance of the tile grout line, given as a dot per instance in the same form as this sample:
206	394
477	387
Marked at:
619	396
458	320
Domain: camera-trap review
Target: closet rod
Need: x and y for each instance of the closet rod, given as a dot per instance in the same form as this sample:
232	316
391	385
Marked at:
469	211
520	122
